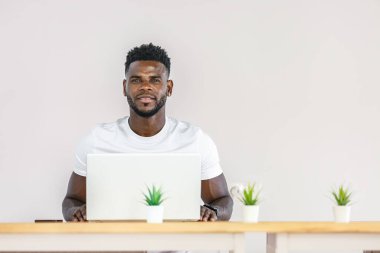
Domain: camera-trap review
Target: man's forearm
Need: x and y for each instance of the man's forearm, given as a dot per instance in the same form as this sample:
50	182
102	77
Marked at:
224	206
67	207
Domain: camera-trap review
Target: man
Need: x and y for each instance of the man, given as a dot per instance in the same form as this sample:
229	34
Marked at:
147	129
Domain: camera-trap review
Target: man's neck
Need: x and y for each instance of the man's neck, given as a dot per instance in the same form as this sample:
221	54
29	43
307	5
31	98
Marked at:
147	127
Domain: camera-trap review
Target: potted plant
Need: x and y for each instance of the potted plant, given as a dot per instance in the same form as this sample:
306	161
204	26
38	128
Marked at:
342	198
250	199
153	200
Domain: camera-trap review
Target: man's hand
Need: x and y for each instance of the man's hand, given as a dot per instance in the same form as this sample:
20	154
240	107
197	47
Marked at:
78	214
207	214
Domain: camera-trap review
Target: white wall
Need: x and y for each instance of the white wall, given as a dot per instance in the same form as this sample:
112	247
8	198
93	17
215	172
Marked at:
287	89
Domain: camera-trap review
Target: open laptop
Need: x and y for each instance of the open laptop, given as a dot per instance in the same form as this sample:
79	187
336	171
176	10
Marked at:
116	182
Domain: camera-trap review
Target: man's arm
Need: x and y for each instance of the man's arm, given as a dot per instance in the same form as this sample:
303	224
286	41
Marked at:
74	203
215	193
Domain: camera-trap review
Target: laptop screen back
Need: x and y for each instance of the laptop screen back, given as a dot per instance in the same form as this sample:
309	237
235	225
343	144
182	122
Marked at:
116	183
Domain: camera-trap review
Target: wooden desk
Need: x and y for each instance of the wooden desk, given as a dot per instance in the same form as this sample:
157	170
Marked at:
317	236
124	236
121	236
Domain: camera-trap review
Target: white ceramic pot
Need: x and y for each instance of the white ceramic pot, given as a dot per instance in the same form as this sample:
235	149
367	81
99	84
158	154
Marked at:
155	214
251	213
342	213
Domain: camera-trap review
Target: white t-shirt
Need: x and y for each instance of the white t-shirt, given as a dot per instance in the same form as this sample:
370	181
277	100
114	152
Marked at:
176	136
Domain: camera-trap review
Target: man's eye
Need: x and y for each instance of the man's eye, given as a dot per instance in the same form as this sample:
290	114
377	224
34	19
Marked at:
156	80
135	80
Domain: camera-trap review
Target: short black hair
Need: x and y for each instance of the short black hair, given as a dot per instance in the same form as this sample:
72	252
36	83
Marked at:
148	52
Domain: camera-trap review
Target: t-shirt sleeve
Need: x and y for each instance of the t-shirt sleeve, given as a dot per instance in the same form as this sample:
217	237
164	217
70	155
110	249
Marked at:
209	158
84	147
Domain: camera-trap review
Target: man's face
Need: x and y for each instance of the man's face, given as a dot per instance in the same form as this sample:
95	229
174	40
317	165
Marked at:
146	87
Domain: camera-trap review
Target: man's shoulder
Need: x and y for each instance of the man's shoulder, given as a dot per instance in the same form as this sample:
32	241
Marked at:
188	131
183	127
109	127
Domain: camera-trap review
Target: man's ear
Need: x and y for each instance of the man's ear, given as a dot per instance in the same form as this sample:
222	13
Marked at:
125	87
169	88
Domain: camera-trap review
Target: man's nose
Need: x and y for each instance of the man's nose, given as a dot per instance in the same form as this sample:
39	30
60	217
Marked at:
146	85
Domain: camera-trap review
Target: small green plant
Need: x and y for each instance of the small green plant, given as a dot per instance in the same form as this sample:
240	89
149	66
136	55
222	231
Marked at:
154	197
342	195
250	195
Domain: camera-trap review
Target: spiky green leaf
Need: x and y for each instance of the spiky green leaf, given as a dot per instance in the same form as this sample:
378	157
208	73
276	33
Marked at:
154	196
249	196
342	195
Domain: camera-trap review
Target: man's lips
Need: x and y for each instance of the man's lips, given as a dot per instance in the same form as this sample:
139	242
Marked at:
146	98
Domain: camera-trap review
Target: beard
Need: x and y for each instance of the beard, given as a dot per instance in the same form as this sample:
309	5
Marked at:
146	114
